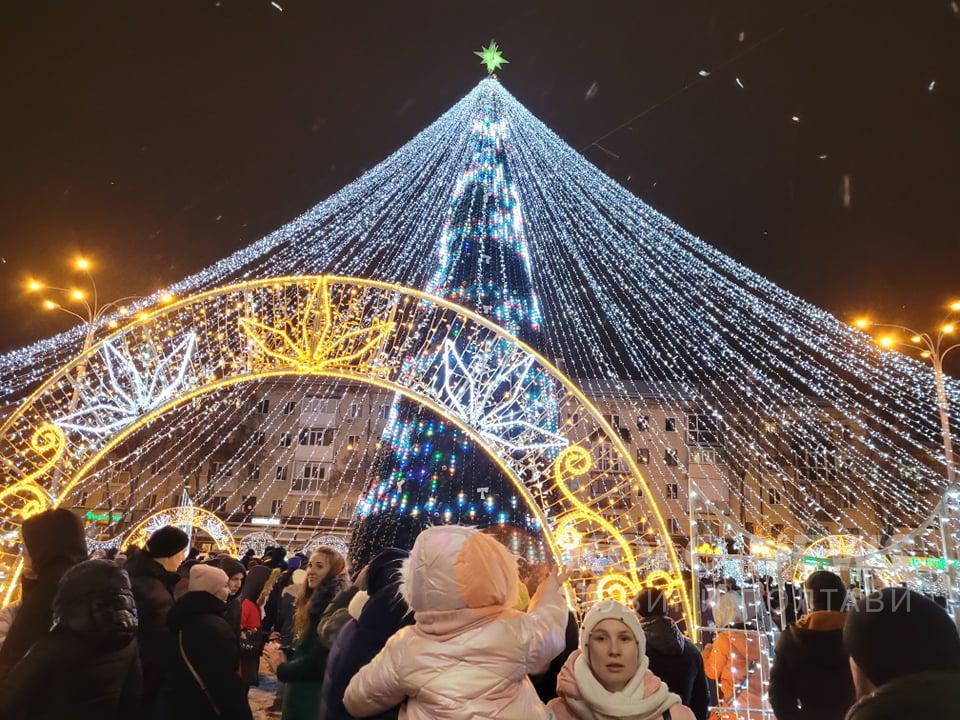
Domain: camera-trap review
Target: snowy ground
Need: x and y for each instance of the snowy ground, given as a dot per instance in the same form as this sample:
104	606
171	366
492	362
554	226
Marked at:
262	698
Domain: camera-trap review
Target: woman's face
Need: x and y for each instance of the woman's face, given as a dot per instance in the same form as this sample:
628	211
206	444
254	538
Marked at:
317	568
612	654
236	580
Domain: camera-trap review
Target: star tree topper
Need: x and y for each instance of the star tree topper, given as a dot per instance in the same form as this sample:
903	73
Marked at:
491	57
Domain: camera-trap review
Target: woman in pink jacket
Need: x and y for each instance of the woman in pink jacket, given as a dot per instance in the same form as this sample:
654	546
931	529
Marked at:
470	652
609	676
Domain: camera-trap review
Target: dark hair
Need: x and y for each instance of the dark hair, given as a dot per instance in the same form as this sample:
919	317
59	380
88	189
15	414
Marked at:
898	632
826	591
651	602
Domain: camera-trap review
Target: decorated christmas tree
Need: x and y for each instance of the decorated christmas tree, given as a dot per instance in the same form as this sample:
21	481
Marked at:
429	469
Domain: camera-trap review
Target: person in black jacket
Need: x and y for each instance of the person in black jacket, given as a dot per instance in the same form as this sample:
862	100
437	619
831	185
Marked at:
904	657
673	658
810	677
53	543
86	667
153	577
236	575
202	679
376	614
302	673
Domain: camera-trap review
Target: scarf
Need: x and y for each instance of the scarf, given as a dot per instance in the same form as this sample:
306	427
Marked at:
631	703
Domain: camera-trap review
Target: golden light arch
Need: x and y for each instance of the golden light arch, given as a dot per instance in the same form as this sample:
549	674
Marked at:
456	363
845	549
183	516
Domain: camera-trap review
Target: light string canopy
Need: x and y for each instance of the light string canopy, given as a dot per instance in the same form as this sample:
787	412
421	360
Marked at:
347	329
784	417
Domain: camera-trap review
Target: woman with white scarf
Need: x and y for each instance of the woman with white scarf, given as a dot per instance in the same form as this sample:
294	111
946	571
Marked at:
609	676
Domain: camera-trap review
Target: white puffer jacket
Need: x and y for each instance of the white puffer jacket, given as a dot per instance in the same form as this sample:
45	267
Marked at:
469	653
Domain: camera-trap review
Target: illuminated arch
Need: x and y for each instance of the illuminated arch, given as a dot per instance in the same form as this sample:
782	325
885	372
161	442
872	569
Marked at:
257	541
849	547
185	517
351	329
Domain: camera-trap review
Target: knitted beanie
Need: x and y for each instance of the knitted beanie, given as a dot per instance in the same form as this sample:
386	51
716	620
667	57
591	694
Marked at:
210	579
612	610
166	542
897	632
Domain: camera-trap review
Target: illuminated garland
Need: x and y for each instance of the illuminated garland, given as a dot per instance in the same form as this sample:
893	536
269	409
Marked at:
617	292
342	332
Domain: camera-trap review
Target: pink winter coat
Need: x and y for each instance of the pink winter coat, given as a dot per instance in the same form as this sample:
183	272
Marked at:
567	688
469	653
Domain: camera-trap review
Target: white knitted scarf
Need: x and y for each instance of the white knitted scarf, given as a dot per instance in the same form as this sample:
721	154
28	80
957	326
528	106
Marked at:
629	704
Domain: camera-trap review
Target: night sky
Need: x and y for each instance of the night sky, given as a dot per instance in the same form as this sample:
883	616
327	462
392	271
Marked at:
157	137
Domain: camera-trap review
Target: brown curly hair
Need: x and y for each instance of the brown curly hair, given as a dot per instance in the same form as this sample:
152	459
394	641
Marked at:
301	616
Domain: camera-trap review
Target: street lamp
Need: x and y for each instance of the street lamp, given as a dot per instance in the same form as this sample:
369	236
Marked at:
83	303
934	347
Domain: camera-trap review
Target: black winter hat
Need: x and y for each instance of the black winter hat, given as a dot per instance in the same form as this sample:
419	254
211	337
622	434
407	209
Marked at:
230	566
54	536
651	602
166	542
94	599
897	632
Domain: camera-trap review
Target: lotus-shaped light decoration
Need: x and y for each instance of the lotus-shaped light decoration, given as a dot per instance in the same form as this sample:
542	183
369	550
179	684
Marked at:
313	341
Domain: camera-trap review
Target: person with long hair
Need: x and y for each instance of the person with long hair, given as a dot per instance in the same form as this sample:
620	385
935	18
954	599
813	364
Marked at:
736	662
303	671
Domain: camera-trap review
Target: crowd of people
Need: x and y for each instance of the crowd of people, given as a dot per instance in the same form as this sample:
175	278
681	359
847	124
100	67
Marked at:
450	628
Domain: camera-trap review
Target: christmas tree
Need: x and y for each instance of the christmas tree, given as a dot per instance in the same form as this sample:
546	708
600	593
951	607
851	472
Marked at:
429	469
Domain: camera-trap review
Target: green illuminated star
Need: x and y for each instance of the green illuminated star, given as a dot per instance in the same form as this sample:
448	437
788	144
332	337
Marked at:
491	57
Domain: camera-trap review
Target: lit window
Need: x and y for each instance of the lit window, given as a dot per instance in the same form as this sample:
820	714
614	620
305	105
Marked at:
703	429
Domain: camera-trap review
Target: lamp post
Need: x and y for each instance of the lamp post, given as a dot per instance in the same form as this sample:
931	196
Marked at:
86	308
933	347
